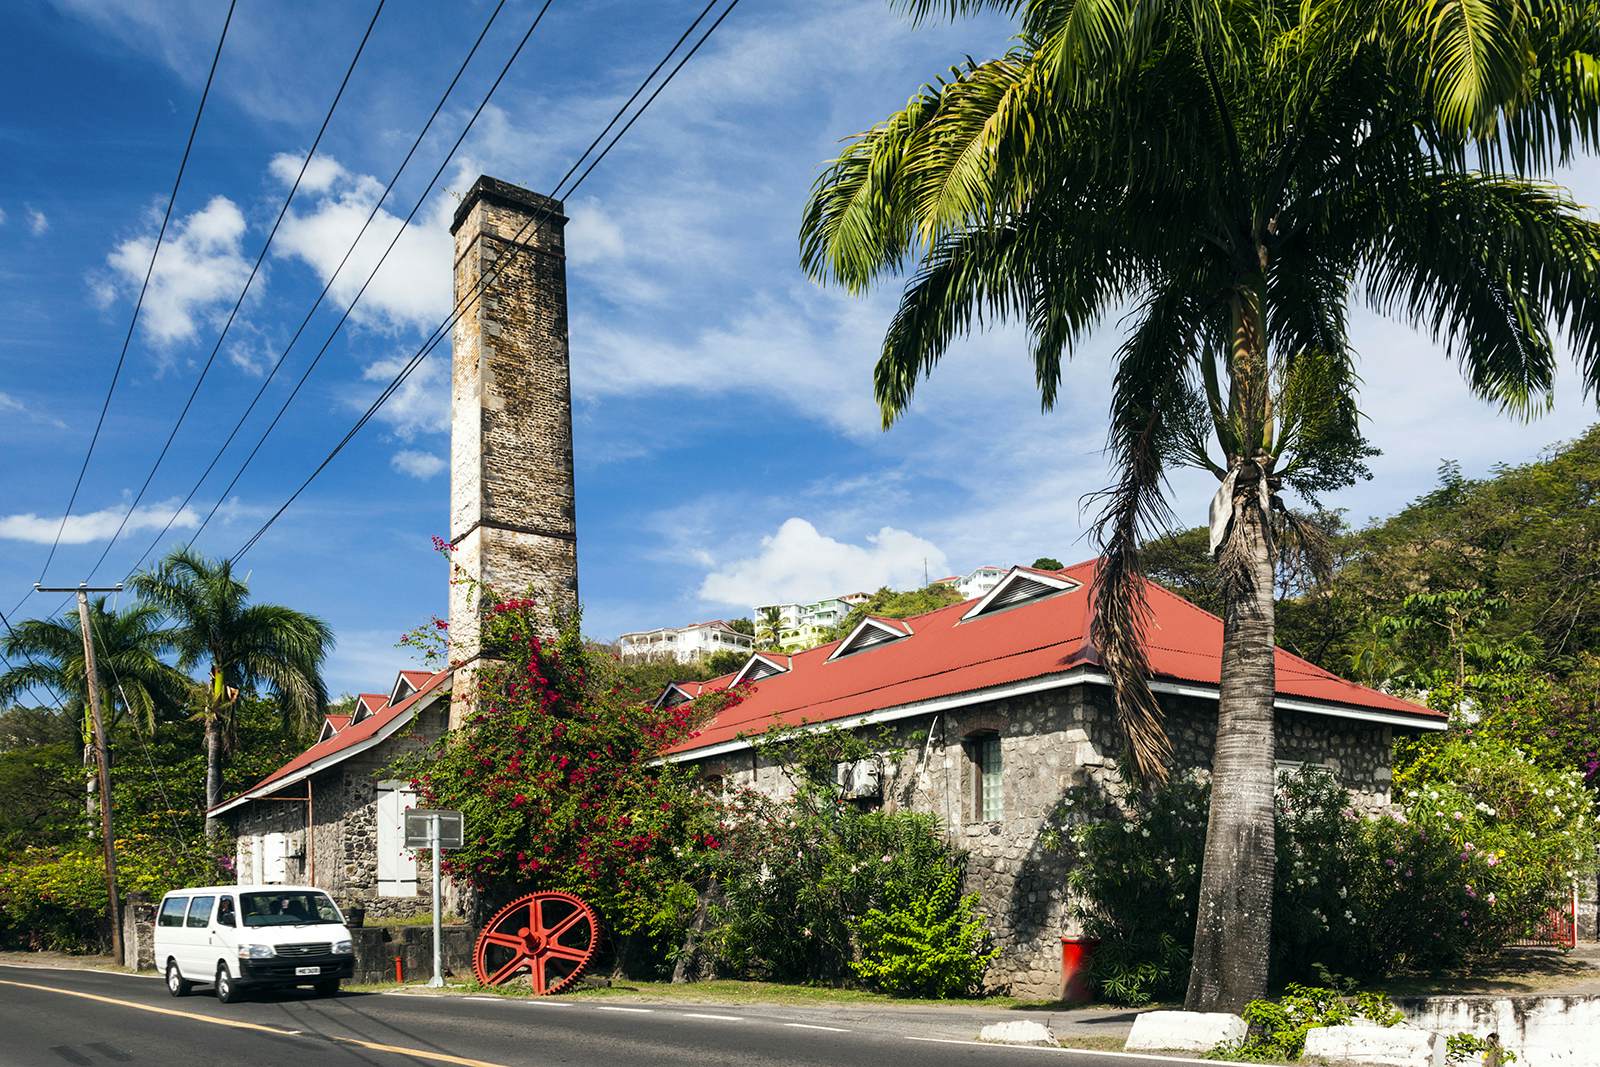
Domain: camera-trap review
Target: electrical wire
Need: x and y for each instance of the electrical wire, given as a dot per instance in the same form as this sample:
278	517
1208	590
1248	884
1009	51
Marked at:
317	303
486	279
255	269
143	288
223	496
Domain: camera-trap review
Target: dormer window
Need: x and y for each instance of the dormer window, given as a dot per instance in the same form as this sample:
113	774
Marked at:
872	632
760	665
1022	585
673	695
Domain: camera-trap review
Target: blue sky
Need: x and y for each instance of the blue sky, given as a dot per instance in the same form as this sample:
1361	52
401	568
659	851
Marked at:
727	447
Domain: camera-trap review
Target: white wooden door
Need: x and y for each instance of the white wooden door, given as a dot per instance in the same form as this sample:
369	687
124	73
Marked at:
397	865
275	858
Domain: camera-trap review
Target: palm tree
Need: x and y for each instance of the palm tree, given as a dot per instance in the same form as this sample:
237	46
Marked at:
244	646
1233	174
769	628
135	683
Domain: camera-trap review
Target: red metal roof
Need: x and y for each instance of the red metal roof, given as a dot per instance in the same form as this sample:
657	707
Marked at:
373	701
945	656
350	736
338	722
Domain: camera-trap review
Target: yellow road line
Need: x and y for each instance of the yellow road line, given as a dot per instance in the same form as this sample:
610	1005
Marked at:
239	1024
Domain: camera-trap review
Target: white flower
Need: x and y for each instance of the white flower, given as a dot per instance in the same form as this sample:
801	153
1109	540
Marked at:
1144	833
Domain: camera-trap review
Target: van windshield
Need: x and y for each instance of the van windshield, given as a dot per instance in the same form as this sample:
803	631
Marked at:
289	908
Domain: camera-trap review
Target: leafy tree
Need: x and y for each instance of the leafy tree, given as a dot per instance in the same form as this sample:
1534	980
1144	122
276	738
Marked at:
725	662
742	625
895	604
1048	563
1229	170
48	656
266	647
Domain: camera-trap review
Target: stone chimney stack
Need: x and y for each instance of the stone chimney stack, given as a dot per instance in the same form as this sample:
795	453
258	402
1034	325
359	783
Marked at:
511	491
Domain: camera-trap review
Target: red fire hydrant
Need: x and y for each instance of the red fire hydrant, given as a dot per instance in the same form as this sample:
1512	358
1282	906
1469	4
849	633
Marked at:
1076	955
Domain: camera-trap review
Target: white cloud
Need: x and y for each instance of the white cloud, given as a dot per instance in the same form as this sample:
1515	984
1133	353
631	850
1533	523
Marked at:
38	224
2	216
800	563
200	265
422	465
12	405
592	236
422	404
319	177
95	525
813	352
412	288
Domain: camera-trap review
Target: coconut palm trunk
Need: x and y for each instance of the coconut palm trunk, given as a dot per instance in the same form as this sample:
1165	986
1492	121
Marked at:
1231	954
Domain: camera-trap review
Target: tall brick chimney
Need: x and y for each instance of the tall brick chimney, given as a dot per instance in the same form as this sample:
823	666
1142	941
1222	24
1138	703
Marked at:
511	491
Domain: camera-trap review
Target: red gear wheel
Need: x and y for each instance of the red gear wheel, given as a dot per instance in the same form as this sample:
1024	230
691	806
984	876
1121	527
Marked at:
550	936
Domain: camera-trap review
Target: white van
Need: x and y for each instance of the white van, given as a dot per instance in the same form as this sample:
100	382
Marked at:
252	936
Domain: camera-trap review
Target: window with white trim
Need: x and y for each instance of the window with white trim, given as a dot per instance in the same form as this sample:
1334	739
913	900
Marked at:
988	797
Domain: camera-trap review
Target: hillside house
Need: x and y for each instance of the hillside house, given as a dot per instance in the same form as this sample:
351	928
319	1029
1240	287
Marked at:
999	704
685	644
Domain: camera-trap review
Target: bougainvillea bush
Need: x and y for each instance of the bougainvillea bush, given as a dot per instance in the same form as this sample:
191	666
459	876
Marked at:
557	777
1482	843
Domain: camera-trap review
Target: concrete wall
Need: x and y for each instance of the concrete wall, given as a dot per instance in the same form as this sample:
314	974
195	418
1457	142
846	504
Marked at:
1050	742
139	932
377	946
1544	1031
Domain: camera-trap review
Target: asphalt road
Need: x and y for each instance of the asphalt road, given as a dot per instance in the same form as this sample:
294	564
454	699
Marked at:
49	1018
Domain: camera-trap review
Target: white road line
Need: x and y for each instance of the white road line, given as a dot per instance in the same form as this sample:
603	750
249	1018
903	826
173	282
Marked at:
546	1002
809	1026
1147	1056
719	1018
612	1007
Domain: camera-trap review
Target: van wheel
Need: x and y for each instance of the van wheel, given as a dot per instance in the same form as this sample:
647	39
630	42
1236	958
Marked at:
227	991
177	984
327	987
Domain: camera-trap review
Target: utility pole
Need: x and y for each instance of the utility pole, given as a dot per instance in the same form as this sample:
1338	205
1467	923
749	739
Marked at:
101	752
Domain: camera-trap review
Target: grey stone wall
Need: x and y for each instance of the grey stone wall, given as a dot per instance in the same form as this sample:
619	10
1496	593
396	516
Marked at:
138	932
377	947
1050	742
344	832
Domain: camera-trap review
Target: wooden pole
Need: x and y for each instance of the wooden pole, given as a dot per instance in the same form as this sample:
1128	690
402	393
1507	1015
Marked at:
113	906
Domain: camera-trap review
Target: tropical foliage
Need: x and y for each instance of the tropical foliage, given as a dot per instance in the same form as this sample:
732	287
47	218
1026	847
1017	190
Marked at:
1238	174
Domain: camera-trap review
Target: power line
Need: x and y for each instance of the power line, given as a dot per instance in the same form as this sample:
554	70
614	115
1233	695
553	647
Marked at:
304	322
143	288
373	274
489	276
205	369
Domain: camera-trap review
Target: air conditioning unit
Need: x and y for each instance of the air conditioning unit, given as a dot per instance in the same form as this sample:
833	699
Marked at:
859	779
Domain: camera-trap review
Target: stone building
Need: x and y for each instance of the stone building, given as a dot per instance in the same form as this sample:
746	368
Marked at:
330	817
997	706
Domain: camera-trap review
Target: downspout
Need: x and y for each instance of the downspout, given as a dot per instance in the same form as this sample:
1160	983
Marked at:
311	841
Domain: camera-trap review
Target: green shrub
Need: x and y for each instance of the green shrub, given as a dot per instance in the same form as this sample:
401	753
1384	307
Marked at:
1278	1028
926	946
812	885
1484	843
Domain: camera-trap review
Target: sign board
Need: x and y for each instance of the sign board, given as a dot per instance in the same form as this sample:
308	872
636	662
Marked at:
419	828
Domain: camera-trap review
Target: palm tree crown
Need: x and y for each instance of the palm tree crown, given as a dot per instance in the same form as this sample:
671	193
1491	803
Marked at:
264	647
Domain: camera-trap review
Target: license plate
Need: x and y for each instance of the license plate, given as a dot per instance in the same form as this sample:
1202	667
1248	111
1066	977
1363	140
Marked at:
307	970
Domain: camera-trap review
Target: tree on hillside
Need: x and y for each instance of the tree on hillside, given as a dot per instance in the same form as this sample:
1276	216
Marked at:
1229	170
244	646
1048	563
895	604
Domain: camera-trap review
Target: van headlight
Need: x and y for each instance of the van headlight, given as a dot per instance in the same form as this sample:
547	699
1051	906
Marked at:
256	952
343	948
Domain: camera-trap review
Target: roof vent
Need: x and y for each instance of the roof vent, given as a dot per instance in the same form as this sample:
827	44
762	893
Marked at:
1021	585
760	665
870	633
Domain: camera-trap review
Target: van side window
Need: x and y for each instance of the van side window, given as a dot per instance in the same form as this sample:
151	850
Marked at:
225	912
200	912
172	911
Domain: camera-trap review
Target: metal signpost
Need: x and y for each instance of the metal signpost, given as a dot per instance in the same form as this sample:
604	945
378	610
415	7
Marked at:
437	829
